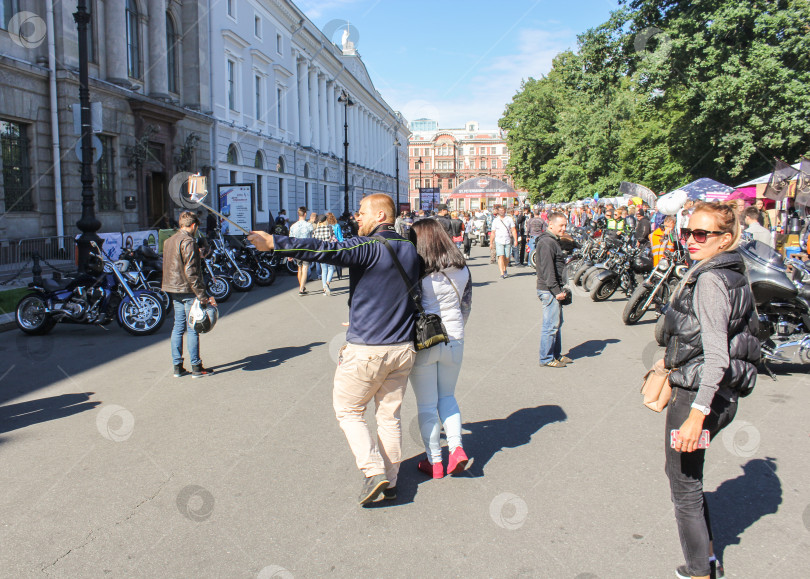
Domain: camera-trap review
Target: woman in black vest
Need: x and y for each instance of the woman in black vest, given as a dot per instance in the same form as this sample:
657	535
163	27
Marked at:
713	351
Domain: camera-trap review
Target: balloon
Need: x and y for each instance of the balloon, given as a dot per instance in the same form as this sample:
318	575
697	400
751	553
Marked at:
637	200
671	203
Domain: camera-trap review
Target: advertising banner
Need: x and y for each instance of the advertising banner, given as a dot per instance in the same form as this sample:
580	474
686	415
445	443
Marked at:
429	197
136	238
236	203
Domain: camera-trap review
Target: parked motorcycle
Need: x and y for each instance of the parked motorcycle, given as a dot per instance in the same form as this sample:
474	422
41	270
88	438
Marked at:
247	256
143	269
224	264
657	287
629	263
90	299
218	286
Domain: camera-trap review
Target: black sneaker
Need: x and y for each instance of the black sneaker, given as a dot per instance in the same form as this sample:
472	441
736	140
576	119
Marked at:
372	487
716	571
200	371
179	371
390	493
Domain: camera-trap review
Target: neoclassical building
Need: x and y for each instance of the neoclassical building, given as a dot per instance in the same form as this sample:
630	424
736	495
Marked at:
277	81
244	93
149	75
444	158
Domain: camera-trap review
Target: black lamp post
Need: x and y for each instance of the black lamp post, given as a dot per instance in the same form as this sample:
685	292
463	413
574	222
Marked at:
347	102
396	145
419	188
88	224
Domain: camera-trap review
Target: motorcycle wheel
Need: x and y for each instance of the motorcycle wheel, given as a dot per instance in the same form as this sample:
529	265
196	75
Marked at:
659	332
143	318
585	281
576	278
603	289
533	259
31	317
242	280
634	310
220	289
292	267
165	299
265	275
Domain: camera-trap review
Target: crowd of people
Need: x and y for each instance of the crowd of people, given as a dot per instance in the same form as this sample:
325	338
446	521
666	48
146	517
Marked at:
711	355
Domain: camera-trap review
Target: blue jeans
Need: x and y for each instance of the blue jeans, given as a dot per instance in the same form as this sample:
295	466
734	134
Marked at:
433	379
551	334
328	273
182	305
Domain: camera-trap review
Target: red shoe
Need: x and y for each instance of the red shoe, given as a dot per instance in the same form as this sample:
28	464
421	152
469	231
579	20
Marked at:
434	470
458	461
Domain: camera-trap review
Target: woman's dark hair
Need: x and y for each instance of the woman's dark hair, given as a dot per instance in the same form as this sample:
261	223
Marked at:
435	248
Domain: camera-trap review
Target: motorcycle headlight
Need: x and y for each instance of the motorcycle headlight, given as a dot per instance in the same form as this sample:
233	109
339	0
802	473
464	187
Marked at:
663	265
131	276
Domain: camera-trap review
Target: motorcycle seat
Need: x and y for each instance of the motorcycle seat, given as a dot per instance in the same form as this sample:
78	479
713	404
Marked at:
53	285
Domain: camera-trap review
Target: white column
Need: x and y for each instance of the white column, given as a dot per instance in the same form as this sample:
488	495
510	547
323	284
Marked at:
366	131
313	107
323	113
116	42
303	104
291	109
156	34
330	118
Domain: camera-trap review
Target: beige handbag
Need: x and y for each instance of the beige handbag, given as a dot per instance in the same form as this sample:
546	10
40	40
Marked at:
656	389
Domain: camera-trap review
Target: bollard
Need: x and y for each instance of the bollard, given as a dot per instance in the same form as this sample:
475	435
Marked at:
37	269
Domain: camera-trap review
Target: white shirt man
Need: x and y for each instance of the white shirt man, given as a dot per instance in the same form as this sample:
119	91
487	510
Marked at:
503	234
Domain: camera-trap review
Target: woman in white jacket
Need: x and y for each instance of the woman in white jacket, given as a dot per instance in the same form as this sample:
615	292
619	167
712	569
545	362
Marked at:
446	289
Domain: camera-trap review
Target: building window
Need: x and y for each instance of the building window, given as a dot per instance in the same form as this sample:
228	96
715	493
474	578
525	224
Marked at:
171	53
258	161
8	8
257	27
279	116
16	169
259	111
259	193
231	8
232	85
233	157
279	44
91	33
105	175
483	163
494	163
133	41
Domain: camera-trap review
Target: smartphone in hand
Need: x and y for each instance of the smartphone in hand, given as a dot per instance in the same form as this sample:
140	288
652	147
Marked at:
703	442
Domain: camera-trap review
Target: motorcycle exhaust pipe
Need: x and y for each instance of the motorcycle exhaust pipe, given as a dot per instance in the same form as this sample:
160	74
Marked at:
788	351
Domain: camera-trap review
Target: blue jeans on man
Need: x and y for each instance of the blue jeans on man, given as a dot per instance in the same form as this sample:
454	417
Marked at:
182	306
551	334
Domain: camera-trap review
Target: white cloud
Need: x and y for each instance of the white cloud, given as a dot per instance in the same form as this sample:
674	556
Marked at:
482	92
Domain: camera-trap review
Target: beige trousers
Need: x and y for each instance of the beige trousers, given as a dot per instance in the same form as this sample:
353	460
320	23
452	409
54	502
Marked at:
381	373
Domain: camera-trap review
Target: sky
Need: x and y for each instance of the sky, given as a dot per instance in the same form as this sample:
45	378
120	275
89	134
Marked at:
453	60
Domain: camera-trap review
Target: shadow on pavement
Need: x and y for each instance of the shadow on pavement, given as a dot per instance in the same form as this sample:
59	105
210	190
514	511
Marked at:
740	502
14	416
590	348
269	359
486	439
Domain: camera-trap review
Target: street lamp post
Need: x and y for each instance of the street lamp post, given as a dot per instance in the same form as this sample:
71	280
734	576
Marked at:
419	188
88	224
396	145
347	102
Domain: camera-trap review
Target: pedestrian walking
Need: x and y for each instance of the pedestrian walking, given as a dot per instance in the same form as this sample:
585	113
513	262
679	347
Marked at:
712	352
534	227
337	235
503	236
375	362
323	232
456	229
302	229
643	228
550	264
183	280
520	226
447	291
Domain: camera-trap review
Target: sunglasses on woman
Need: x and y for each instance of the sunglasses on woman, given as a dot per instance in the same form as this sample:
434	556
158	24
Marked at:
700	235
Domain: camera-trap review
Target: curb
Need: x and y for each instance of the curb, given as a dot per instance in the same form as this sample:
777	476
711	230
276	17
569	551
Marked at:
7	322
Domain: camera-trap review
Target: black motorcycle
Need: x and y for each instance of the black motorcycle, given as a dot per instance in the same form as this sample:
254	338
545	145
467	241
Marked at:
258	262
657	288
90	299
143	269
224	264
630	262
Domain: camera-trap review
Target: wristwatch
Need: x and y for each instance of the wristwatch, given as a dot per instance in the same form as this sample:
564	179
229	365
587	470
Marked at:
704	409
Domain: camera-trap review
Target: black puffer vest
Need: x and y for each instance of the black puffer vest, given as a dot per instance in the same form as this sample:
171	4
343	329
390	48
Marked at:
684	352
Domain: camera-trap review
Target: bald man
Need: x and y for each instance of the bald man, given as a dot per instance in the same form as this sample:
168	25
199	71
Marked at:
375	362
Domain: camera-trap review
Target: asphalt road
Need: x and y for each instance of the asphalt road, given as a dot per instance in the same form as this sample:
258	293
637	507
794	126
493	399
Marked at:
113	468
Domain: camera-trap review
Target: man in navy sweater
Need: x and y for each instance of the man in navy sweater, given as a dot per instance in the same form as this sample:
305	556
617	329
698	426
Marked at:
376	360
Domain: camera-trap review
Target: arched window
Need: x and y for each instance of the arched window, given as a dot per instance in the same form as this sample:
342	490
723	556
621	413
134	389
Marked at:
280	165
233	155
171	53
306	171
133	40
326	174
258	162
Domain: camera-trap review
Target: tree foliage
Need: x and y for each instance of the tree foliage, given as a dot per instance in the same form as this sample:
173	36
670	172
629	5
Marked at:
664	92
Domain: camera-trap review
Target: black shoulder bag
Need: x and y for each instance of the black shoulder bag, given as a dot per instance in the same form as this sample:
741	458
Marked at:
429	329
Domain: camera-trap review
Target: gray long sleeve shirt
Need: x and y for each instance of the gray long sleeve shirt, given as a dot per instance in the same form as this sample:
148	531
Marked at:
713	311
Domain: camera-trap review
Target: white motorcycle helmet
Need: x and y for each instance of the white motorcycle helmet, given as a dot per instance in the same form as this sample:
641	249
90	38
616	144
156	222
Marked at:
203	319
